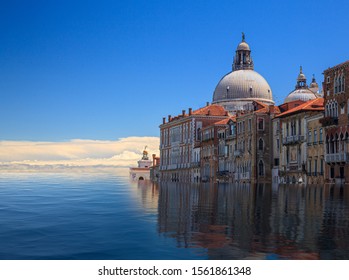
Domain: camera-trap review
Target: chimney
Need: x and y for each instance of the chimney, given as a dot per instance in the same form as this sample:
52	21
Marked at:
209	112
163	120
190	111
169	118
207	103
183	113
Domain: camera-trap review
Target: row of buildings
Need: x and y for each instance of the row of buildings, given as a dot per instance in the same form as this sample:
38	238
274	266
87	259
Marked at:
243	137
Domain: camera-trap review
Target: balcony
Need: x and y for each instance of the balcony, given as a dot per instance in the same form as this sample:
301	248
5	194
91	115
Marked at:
237	153
328	121
231	136
339	157
293	139
195	164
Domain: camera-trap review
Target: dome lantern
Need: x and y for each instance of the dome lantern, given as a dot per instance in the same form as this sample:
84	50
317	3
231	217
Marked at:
243	59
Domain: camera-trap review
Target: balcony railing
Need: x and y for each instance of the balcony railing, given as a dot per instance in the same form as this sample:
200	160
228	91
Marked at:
245	175
237	153
195	164
338	157
327	121
293	139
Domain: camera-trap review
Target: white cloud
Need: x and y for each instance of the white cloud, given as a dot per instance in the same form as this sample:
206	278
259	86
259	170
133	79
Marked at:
75	153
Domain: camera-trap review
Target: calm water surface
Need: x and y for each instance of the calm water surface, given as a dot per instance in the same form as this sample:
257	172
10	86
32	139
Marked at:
103	216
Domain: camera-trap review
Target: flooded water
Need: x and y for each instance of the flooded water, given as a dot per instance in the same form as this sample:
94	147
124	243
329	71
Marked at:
104	216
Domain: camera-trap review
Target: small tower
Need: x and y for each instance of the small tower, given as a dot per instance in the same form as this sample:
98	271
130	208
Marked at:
142	172
243	59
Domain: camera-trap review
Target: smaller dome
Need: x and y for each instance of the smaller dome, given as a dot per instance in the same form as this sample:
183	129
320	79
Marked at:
303	94
243	46
302	91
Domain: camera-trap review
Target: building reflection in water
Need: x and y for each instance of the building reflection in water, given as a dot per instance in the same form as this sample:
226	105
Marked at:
253	222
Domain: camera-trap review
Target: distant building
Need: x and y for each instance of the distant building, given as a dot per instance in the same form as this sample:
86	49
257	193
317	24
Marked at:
335	123
142	172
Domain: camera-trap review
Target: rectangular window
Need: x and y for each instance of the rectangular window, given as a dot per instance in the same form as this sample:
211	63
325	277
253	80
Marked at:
309	137
315	137
249	124
328	79
322	166
260	124
315	167
320	136
309	167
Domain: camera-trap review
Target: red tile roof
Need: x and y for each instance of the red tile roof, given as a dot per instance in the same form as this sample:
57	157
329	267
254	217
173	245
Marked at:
211	110
311	105
225	121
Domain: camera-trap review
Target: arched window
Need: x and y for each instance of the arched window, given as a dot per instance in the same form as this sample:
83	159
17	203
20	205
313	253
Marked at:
336	113
260	144
339	84
335	84
261	168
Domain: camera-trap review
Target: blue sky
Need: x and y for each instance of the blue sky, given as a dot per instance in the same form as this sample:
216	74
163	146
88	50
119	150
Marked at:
111	69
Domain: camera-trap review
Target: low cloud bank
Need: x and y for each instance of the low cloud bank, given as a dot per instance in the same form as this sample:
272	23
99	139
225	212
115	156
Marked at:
73	154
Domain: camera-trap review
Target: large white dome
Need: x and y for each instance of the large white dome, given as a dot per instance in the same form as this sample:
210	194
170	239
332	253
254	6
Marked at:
239	88
242	85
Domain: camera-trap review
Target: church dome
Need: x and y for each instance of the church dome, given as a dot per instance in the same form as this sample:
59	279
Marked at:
240	87
302	91
300	94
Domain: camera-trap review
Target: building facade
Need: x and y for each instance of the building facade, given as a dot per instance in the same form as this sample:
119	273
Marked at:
294	135
315	149
335	123
179	136
253	151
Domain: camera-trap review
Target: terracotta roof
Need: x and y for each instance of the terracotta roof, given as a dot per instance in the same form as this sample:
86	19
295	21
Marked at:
289	105
265	108
225	121
311	105
211	110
